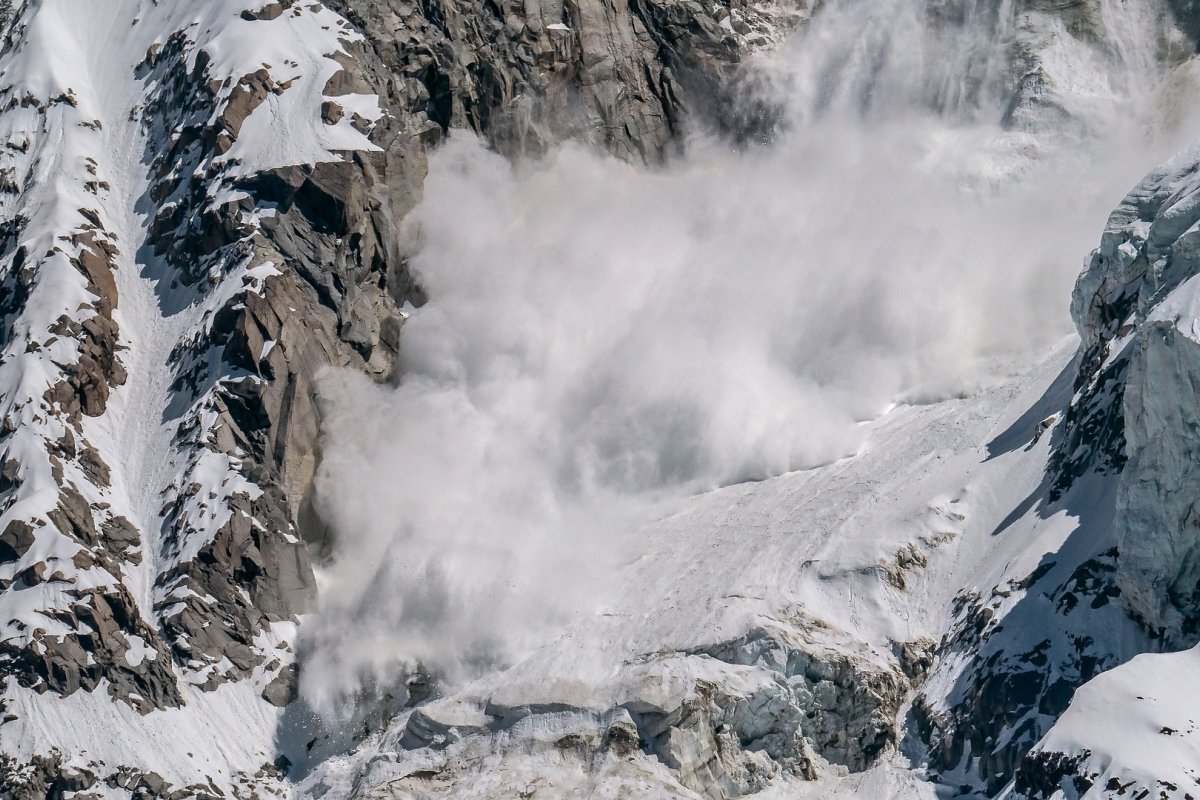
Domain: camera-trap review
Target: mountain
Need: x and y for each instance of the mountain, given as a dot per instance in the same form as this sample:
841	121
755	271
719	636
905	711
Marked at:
598	398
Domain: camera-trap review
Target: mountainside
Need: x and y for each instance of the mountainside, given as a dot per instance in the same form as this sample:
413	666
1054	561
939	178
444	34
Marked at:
328	284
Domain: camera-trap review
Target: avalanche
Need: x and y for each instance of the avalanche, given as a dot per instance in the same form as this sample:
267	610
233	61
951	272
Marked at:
676	399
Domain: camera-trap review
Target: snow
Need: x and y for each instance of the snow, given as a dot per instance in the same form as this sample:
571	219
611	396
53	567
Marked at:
139	651
812	552
1138	724
803	551
89	154
217	735
1182	308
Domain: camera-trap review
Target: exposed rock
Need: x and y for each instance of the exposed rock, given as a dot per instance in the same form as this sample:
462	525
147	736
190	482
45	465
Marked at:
1016	657
841	703
42	777
120	536
621	76
331	112
268	12
916	658
83	660
247	94
1043	775
16	540
1141	361
282	688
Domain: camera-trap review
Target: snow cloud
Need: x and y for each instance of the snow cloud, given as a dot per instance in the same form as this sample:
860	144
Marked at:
602	338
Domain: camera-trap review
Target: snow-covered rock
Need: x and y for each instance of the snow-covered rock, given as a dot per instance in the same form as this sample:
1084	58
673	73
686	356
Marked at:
1136	308
1127	732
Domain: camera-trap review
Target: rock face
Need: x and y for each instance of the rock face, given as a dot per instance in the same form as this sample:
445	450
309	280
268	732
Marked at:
620	75
1134	308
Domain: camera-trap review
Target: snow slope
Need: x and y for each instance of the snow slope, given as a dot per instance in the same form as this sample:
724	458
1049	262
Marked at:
858	557
81	129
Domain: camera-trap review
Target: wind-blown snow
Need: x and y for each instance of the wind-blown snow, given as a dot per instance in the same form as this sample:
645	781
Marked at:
607	337
809	545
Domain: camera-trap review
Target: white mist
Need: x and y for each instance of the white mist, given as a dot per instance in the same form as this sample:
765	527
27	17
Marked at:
602	338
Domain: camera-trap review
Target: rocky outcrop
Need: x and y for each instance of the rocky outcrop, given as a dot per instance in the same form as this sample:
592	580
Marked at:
1134	307
51	776
625	76
1042	775
1015	656
721	721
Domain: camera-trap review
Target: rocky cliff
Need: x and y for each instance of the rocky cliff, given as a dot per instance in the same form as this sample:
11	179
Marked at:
1135	307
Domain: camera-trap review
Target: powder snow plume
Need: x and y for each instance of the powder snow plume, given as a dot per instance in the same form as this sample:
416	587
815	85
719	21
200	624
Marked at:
602	339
